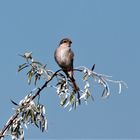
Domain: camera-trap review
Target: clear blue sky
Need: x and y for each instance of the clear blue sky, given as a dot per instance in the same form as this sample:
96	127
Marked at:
104	32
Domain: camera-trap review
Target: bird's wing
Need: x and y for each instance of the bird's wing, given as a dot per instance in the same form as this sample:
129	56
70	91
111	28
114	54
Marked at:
72	57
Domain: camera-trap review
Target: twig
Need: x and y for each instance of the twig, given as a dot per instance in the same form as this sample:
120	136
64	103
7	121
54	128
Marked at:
9	122
13	117
103	79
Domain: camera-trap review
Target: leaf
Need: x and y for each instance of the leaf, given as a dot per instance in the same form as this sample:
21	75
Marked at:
75	103
46	124
27	115
63	102
40	125
36	124
43	127
36	62
14	103
93	67
36	78
86	85
43	110
72	105
67	104
105	93
21	55
85	77
26	126
33	119
120	88
78	98
88	93
21	67
28	55
35	108
94	77
72	97
83	95
30	75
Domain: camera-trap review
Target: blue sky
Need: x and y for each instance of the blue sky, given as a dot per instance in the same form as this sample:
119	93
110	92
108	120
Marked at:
104	32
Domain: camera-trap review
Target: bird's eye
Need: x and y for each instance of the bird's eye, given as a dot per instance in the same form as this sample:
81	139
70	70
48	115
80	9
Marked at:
65	41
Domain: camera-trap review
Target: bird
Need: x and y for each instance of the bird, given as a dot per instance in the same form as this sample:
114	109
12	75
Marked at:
64	57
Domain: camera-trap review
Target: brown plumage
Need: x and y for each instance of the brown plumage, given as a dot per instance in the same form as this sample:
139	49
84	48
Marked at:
64	57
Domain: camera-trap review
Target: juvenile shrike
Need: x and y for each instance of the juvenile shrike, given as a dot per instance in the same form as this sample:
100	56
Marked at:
64	57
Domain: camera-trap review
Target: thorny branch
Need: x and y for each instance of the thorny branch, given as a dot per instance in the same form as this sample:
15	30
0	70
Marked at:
30	112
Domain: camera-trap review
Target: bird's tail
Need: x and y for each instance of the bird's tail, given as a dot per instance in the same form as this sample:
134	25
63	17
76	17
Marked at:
69	74
75	86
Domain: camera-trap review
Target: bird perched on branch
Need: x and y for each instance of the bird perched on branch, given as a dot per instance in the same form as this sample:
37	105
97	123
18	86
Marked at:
64	57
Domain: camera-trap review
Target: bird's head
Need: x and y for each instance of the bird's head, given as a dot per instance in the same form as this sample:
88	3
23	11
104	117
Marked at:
65	41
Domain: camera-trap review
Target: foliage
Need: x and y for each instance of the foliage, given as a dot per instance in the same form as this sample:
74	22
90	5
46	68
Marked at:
30	111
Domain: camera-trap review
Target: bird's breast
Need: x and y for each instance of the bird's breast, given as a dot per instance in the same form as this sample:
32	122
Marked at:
63	57
64	54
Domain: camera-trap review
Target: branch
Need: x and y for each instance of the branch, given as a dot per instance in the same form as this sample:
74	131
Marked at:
9	122
45	85
12	118
29	112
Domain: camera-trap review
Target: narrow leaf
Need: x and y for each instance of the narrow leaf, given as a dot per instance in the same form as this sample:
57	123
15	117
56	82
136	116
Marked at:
93	67
36	62
120	88
27	115
36	78
36	124
21	67
72	97
104	94
63	102
30	75
33	119
14	103
85	77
